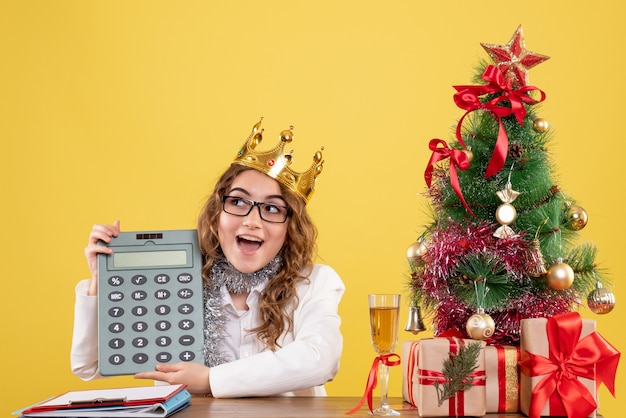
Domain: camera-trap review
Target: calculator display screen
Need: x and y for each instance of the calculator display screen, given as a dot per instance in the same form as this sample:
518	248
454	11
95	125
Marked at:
150	259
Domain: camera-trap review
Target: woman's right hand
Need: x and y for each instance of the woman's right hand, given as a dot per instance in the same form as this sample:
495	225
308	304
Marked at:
99	233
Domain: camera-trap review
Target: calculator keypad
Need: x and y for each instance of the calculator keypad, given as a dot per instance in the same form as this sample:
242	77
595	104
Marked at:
149	320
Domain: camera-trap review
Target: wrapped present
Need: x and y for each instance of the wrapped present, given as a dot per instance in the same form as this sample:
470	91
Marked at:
502	378
409	369
563	361
428	385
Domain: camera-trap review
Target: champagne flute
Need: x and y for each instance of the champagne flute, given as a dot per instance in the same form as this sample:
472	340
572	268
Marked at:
384	313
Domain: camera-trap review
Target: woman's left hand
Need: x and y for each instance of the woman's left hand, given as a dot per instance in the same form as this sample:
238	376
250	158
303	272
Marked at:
194	375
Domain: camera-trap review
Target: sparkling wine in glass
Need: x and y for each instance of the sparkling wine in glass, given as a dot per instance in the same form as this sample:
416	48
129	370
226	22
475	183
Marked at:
384	313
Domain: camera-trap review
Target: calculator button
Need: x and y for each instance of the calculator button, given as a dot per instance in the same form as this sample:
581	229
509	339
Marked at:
116	359
140	342
163	341
186	340
185	308
139	279
116	327
116	343
187	356
185	293
116	296
116	280
163	357
162	310
139	310
161	278
185	324
140	326
185	278
140	358
162	294
116	312
163	325
139	295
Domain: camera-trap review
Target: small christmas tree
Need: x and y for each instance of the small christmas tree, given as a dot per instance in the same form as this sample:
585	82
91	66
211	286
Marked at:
501	246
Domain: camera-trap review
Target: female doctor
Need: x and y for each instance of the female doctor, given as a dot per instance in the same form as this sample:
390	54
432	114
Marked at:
270	316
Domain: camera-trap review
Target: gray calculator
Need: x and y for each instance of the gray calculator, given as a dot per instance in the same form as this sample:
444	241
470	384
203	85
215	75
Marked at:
150	304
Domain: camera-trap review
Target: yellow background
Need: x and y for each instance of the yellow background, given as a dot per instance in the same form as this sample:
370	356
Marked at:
130	109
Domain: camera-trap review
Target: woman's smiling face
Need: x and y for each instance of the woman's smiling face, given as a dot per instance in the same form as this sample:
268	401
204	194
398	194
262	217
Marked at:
249	242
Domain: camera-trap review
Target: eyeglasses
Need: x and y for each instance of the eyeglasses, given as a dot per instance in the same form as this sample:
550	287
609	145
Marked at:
270	212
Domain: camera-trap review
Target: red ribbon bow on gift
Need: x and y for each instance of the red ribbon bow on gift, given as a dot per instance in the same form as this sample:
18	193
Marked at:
372	379
592	357
468	98
458	158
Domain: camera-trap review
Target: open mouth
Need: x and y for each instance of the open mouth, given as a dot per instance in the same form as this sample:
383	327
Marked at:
249	244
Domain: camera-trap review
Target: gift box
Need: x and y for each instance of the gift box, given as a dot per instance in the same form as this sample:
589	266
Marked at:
563	361
409	369
502	378
423	379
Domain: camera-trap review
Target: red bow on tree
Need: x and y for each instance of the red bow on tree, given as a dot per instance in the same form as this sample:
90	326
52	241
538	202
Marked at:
467	98
458	159
591	357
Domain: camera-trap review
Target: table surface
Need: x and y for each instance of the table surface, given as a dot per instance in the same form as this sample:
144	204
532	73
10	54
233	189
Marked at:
291	407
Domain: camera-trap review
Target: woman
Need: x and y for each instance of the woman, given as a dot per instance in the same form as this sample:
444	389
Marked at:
271	323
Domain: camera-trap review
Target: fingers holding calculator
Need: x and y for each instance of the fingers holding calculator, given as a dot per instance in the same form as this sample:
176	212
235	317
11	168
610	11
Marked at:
99	233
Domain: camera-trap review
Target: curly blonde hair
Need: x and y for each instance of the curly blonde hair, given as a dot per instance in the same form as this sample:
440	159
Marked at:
280	297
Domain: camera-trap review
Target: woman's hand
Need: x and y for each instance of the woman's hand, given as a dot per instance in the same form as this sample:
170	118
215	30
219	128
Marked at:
99	233
194	375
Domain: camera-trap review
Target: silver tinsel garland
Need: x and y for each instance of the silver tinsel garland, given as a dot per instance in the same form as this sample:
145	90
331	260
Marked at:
224	274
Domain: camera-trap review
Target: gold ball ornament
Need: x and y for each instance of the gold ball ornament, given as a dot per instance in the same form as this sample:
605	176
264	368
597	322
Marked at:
415	252
540	125
601	300
480	326
576	218
560	275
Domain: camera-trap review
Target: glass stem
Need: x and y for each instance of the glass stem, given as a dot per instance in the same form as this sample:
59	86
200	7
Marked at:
384	386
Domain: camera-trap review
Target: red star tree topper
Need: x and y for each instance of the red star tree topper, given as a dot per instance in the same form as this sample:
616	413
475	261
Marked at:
513	59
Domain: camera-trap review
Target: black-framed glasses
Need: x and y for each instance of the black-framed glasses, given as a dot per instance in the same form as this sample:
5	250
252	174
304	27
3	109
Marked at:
270	212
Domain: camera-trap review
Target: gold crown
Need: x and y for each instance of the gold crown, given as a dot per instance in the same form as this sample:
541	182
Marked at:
276	163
